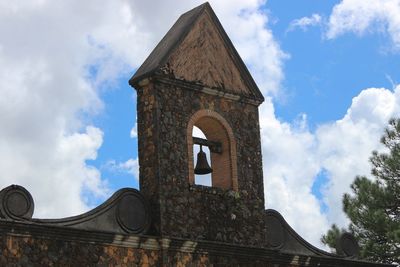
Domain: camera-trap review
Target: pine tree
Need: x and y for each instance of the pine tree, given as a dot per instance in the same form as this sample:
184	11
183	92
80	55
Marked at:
374	206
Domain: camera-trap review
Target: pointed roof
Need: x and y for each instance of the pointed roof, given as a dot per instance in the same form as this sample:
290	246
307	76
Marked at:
175	37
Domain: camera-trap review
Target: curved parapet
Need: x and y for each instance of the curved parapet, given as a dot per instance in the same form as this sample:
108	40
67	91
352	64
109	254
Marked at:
282	237
126	211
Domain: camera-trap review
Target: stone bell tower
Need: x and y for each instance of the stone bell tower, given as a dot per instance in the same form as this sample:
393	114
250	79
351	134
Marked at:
195	77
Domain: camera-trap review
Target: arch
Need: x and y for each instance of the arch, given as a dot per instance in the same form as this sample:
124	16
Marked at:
224	165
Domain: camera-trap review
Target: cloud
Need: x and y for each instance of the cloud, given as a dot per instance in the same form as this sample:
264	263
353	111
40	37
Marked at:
362	17
131	166
305	22
340	149
290	166
293	156
133	133
54	57
42	90
346	145
55	173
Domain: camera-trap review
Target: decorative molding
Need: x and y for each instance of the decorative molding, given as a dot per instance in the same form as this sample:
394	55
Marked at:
161	78
126	211
16	203
281	236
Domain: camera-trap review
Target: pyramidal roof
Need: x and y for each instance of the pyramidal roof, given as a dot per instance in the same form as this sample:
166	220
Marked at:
197	49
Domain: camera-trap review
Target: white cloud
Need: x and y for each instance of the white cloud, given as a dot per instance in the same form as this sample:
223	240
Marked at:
133	133
55	173
47	99
290	166
293	156
131	166
345	146
305	22
361	17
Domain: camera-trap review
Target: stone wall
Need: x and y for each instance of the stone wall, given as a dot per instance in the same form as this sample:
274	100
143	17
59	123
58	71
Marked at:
34	245
148	147
28	251
27	244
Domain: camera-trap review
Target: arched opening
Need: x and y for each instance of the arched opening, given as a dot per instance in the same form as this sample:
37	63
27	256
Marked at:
206	178
222	149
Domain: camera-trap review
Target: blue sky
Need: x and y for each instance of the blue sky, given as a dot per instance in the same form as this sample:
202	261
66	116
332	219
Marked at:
322	76
328	71
116	122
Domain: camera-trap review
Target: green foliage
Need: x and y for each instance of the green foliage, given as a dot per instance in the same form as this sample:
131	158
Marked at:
374	206
331	236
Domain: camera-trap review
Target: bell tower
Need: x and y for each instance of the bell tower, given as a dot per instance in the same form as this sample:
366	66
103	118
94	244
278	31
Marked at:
195	78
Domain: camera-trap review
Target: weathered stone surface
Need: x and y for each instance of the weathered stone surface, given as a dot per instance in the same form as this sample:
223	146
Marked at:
203	57
192	211
24	244
29	251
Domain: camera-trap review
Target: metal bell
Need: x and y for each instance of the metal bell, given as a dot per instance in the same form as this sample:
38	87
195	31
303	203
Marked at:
202	166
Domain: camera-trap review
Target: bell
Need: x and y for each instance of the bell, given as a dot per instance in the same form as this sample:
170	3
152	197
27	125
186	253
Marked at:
202	166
